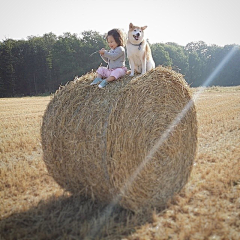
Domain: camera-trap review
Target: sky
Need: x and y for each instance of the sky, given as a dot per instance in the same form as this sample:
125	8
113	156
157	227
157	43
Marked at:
180	21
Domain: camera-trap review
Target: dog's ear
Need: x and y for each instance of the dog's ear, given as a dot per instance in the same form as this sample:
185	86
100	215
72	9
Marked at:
130	26
143	28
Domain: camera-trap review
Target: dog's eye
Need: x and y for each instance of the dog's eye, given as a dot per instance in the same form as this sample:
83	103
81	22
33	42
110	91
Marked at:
135	30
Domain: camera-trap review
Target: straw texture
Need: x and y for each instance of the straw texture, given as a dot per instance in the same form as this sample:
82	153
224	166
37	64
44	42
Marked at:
95	139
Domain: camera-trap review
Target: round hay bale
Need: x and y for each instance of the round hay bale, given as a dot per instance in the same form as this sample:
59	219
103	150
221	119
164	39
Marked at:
94	140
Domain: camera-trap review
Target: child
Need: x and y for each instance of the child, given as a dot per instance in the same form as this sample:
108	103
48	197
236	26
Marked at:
115	59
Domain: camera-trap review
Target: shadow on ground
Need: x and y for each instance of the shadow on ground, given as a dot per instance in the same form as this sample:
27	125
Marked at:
71	217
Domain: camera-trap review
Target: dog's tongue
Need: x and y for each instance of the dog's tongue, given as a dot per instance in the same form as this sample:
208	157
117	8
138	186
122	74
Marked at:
136	38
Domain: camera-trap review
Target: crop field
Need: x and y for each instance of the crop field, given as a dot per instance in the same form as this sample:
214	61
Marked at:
33	206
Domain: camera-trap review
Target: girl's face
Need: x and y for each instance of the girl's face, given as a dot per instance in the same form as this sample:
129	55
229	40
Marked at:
111	42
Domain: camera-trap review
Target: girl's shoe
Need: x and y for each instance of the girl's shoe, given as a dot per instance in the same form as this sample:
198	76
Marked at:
96	81
103	84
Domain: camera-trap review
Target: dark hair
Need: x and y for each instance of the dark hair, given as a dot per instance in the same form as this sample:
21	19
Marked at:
118	36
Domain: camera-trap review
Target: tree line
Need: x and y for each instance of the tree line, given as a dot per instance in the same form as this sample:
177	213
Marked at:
39	65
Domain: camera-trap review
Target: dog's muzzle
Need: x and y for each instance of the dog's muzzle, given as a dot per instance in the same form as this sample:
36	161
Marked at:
136	36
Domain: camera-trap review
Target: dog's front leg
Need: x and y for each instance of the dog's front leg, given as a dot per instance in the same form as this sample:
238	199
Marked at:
131	62
144	65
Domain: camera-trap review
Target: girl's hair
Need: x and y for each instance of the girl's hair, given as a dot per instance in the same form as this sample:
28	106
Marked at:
118	36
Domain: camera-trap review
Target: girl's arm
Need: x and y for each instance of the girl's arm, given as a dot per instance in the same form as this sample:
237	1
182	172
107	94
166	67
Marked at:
119	51
101	52
105	59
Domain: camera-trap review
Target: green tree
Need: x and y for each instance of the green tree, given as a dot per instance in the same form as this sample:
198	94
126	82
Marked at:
65	62
92	41
197	60
18	50
36	63
160	55
230	74
49	40
8	83
178	57
40	64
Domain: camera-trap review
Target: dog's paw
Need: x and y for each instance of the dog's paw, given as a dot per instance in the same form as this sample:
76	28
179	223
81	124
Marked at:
131	75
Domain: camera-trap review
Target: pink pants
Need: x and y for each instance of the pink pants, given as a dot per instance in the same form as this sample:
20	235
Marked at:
117	72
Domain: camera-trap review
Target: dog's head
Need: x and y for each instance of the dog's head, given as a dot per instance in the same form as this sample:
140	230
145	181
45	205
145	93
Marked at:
136	34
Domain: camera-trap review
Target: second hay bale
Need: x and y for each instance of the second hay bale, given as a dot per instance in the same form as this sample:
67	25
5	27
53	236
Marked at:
94	140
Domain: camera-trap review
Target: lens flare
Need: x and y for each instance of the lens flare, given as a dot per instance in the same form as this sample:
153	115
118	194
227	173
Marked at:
101	221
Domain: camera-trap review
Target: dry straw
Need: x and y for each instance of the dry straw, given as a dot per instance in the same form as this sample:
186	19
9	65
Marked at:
94	139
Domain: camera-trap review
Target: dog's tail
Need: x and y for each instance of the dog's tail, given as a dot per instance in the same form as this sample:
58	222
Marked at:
148	52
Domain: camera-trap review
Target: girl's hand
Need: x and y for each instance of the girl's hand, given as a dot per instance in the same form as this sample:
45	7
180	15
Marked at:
102	51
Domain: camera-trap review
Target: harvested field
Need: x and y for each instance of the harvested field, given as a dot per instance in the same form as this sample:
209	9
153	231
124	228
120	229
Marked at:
33	206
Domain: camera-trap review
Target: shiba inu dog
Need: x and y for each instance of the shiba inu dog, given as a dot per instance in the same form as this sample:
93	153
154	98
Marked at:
138	50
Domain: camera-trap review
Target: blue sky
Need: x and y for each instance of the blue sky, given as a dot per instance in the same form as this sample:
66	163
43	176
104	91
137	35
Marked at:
179	21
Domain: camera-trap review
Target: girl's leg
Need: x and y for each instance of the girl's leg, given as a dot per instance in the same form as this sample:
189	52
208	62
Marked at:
110	79
97	80
113	75
103	72
99	76
117	73
106	81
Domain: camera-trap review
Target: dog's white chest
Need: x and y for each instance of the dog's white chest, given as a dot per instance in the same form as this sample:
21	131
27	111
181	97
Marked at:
135	54
137	59
134	51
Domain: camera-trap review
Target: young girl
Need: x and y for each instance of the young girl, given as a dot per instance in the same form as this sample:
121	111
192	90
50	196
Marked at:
115	59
